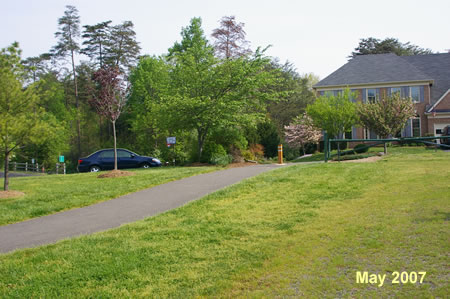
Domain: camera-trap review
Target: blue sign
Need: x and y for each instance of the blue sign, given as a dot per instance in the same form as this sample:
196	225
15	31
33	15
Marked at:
171	140
61	159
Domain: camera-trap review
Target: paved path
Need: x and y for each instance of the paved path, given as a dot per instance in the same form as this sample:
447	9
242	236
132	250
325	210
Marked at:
125	209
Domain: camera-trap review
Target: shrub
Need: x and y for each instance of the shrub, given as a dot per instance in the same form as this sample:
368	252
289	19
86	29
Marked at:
247	155
219	159
257	150
361	148
211	150
269	138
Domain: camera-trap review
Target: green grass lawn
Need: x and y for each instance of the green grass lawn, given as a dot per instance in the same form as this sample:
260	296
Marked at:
302	230
53	193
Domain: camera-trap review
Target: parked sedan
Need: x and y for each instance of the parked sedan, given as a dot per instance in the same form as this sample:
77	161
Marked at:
104	160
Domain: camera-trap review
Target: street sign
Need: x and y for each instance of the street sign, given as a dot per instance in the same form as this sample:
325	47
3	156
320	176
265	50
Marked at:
171	140
61	159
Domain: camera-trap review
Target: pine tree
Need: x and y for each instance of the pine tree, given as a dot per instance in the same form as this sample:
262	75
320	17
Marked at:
68	35
96	40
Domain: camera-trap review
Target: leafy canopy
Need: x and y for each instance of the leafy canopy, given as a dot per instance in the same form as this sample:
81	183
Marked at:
386	117
21	119
389	45
335	114
198	91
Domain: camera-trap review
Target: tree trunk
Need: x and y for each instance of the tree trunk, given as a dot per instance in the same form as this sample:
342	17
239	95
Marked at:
201	141
385	148
77	105
6	174
115	145
200	147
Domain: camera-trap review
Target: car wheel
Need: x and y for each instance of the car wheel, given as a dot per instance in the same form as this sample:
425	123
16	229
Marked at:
94	168
145	165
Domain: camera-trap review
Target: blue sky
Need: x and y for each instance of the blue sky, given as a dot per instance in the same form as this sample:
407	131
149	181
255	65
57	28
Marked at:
317	36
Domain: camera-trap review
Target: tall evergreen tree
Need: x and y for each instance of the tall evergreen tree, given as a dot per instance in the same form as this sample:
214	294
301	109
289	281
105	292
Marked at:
96	40
68	35
37	66
123	49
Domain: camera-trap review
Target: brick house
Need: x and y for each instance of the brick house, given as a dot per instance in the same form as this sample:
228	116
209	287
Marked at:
424	78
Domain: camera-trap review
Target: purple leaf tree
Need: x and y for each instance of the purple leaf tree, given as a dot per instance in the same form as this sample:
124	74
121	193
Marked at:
109	97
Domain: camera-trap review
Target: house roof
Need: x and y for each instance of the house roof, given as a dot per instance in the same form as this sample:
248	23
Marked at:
438	67
390	68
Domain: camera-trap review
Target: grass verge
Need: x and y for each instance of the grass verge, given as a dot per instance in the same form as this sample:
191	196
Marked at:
45	195
298	231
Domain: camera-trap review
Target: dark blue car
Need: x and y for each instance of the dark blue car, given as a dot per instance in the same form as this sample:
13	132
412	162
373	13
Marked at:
104	160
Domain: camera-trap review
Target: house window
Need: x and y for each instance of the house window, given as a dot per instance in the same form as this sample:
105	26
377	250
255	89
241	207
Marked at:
415	94
371	95
369	134
416	127
395	90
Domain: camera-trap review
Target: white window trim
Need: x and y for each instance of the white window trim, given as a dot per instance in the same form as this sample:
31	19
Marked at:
376	95
367	131
410	94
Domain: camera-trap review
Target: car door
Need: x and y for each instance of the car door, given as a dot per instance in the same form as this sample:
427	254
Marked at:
127	159
107	159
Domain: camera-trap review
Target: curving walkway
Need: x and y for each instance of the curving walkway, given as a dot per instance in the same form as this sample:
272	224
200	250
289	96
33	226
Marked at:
121	210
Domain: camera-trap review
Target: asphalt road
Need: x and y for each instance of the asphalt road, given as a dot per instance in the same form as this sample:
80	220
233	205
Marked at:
122	210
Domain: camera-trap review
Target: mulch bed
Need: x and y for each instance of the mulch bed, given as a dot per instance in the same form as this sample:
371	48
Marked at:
115	174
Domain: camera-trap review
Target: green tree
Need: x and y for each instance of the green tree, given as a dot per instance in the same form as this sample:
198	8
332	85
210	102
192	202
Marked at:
389	45
150	85
68	35
204	93
211	93
386	117
335	114
20	118
297	94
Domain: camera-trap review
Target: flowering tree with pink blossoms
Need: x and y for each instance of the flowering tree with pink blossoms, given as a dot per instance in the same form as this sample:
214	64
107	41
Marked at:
302	131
